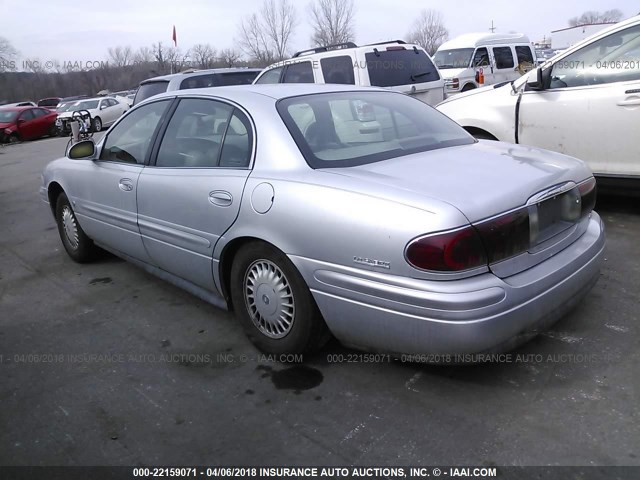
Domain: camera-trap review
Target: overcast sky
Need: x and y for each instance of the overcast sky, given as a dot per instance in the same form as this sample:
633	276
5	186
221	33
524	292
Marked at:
81	30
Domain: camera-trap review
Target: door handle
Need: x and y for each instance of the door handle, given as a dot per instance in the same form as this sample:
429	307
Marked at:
126	185
631	102
220	198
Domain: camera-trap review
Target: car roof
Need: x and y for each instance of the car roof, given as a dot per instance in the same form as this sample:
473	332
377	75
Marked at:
18	109
470	40
186	74
276	91
337	50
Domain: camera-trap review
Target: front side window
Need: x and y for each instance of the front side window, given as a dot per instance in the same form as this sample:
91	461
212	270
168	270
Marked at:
398	66
196	132
129	141
27	115
346	129
271	76
503	56
481	58
614	58
300	72
39	112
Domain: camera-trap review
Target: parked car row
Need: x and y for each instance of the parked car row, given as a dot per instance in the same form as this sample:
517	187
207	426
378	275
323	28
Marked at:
584	102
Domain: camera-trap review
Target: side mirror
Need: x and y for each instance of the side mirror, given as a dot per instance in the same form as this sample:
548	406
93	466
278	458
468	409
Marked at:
103	106
21	121
535	81
83	149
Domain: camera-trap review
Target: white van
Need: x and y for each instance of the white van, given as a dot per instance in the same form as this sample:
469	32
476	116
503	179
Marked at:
477	59
397	65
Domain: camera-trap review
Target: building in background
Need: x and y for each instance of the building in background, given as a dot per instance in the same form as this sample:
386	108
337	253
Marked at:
565	37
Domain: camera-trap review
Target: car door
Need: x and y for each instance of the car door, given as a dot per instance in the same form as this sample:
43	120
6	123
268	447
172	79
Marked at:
481	60
504	64
41	121
103	191
591	107
107	112
191	195
27	126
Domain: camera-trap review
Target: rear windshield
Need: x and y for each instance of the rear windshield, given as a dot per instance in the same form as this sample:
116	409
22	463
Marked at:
49	102
148	90
346	129
391	68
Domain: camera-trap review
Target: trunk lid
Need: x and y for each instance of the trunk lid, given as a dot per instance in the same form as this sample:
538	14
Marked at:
481	180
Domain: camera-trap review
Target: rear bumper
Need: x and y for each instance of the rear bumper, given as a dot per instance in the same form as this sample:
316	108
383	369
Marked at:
479	314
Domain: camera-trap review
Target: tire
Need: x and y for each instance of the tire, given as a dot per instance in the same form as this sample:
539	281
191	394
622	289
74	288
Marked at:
13	138
302	330
53	131
97	124
467	87
79	247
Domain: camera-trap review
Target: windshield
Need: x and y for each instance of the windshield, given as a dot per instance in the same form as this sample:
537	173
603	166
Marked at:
86	105
346	129
454	58
7	116
65	107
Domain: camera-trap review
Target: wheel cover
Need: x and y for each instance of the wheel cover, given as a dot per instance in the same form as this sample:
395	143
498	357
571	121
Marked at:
98	124
70	226
269	299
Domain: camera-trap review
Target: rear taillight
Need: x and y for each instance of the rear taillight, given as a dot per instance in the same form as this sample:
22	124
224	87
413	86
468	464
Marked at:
447	252
503	236
506	235
587	191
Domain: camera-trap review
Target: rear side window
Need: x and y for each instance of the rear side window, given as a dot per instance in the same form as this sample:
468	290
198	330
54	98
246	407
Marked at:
524	54
148	90
198	81
338	70
504	57
236	78
390	68
299	73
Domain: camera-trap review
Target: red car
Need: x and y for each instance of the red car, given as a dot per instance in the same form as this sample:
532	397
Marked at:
26	123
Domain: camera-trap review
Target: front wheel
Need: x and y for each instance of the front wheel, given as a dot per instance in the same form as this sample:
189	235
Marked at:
273	303
14	138
97	124
79	247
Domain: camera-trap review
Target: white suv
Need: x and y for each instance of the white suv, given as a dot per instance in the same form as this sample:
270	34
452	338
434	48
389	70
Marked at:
396	65
584	102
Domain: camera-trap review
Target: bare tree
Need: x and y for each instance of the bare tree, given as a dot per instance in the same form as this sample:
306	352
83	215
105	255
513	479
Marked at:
176	59
204	55
591	17
143	55
8	55
120	56
332	22
265	36
428	31
229	57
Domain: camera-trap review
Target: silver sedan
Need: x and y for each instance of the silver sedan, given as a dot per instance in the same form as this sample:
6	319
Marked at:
314	210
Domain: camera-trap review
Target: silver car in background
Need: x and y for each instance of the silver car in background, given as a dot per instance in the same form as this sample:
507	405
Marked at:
318	209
